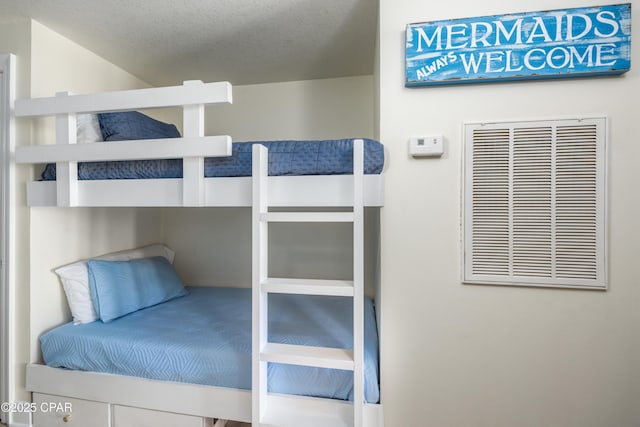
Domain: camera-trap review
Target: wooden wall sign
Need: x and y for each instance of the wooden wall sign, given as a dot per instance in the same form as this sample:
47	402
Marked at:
577	42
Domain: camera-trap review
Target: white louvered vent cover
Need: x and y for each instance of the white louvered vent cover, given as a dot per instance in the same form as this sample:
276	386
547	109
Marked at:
534	211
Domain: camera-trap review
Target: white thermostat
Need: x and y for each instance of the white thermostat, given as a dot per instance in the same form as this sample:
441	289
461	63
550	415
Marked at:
426	146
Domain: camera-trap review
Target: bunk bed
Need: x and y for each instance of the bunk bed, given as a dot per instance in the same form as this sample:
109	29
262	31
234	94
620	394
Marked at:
194	188
208	171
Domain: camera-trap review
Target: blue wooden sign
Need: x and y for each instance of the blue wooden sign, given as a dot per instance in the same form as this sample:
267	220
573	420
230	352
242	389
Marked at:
576	42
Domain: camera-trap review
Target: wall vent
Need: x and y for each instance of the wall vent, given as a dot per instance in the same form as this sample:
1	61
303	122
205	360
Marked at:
534	203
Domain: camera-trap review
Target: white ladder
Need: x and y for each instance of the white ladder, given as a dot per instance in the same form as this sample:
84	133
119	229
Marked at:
276	410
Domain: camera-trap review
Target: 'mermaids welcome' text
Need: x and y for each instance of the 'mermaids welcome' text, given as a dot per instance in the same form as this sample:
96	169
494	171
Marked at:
523	43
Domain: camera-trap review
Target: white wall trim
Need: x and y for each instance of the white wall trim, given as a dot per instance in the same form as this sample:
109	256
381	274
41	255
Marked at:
7	145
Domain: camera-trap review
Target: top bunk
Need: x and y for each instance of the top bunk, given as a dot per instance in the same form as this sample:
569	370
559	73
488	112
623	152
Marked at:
137	161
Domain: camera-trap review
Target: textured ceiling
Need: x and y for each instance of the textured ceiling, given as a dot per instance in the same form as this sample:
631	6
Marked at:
164	42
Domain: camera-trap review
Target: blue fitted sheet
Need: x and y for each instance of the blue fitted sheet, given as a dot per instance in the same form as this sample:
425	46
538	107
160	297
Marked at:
326	157
205	338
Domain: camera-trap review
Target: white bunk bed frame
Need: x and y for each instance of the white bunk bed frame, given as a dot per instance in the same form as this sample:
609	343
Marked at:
192	190
208	402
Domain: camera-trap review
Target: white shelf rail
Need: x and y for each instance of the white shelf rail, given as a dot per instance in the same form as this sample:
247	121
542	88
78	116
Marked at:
193	147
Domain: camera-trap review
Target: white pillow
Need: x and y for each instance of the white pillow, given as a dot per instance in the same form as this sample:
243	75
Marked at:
88	128
75	279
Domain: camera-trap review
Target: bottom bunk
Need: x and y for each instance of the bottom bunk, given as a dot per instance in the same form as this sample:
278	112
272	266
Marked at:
192	356
92	394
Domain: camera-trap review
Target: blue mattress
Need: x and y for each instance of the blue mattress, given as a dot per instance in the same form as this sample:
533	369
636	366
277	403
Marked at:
205	338
327	157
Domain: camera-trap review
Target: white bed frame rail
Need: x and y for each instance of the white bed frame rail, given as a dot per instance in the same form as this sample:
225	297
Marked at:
193	147
189	399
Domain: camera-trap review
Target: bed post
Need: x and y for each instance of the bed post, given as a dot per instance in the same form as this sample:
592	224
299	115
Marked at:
66	172
193	167
358	282
260	263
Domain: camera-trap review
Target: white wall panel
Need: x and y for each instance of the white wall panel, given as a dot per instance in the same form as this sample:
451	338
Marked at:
470	355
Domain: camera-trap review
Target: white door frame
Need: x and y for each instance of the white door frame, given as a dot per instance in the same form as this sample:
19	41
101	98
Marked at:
7	145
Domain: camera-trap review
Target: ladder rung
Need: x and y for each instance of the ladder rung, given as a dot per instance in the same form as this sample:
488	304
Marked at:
320	357
307	217
308	286
302	411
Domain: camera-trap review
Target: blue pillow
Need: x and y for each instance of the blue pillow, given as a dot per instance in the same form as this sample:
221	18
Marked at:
134	125
122	287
